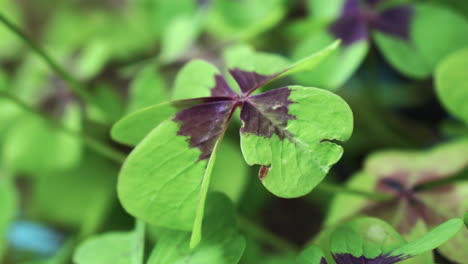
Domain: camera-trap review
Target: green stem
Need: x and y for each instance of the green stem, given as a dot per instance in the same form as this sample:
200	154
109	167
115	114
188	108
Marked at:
73	83
332	188
459	177
96	145
265	236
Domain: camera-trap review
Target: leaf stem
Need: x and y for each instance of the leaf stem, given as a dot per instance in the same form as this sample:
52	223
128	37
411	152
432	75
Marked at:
333	188
101	148
73	83
459	177
265	236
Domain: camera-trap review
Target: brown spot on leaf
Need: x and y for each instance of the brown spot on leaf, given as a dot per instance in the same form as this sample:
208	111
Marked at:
262	173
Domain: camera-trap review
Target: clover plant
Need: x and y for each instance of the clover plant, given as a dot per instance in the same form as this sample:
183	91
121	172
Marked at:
371	240
207	132
402	31
277	133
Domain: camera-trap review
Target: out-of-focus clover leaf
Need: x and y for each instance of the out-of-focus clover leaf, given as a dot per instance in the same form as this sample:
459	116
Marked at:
58	197
337	68
113	248
106	98
180	34
444	29
280	132
147	88
452	84
194	79
244	19
8	209
371	240
221	242
34	145
401	31
412	209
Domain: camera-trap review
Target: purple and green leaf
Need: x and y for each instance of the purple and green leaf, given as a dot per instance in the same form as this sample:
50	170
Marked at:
373	241
290	130
411	210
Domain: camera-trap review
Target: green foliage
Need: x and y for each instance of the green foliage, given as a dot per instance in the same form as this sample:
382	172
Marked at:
451	84
306	158
114	247
8	207
198	189
371	239
221	243
147	88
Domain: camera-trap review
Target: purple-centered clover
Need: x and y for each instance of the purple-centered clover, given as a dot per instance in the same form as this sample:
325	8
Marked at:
359	17
346	258
263	115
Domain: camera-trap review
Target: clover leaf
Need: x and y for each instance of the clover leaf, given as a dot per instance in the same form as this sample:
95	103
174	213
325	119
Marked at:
290	131
222	244
371	240
452	84
403	32
411	210
113	248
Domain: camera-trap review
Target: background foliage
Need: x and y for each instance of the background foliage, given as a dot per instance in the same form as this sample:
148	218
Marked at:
83	82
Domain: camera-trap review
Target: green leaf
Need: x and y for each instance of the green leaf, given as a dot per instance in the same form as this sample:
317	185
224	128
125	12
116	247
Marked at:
195	79
344	206
326	10
431	240
435	33
113	248
337	68
246	58
221	243
244	20
403	56
8	207
179	34
366	236
165	182
58	197
147	88
445	30
134	127
311	255
298	162
33	145
451	80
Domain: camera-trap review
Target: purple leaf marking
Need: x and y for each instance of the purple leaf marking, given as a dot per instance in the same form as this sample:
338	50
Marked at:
267	114
395	21
412	201
350	29
346	258
250	81
323	261
204	124
204	120
222	88
357	19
